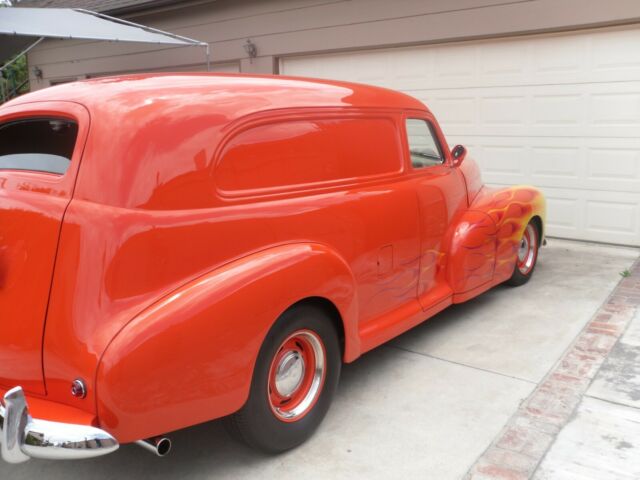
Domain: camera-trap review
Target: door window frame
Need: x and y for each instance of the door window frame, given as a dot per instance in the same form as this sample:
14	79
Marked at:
441	143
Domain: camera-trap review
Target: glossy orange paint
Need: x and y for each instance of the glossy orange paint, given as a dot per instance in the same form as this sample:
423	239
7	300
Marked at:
168	277
32	206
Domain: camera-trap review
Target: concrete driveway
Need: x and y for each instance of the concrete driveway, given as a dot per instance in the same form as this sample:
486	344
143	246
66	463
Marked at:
427	405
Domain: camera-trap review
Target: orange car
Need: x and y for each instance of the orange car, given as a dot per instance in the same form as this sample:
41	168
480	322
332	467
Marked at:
179	248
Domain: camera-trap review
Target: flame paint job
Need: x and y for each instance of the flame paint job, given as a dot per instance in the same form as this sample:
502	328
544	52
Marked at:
510	209
485	244
164	286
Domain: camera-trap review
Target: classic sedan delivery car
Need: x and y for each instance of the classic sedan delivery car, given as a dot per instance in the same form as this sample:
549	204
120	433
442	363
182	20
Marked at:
180	248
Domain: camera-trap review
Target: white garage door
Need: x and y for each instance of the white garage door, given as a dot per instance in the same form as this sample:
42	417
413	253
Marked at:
561	112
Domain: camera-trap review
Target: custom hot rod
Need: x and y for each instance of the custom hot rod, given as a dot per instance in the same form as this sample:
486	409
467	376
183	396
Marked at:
180	248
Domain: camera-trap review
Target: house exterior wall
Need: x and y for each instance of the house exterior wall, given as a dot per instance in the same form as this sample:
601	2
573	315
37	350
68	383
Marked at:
281	28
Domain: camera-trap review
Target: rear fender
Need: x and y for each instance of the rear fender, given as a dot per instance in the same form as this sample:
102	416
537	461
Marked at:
189	358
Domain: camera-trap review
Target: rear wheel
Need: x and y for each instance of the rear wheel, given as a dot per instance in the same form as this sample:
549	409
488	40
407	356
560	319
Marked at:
293	383
527	255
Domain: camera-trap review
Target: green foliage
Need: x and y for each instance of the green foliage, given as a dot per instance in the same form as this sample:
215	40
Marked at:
625	273
15	78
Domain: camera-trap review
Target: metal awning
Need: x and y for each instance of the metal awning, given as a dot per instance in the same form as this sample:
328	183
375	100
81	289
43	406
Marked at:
23	28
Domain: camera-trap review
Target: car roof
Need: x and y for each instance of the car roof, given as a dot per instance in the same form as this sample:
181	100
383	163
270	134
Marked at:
233	95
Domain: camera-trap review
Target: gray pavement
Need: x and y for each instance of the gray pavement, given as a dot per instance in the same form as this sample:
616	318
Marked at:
602	441
426	405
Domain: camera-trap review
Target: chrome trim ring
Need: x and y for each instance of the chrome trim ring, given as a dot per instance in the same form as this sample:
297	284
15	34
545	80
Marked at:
296	375
528	250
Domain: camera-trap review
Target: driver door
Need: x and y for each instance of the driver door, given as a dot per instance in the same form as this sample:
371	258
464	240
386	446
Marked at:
442	196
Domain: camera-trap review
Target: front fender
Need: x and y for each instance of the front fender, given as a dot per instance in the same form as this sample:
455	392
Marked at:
485	239
511	209
472	252
189	358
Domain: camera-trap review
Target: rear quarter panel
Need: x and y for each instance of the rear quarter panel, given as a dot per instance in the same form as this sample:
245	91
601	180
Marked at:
190	356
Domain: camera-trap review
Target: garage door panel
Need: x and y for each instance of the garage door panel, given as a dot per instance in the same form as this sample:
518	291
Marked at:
559	111
503	111
504	163
454	63
503	64
564	215
410	71
613	169
554	165
611	52
612	217
606	216
557	57
598	216
616	109
455	111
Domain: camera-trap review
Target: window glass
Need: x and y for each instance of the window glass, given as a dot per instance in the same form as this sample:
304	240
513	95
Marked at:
423	145
37	144
304	152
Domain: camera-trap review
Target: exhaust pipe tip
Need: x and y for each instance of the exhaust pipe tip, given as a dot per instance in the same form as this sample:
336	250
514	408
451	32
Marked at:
159	446
163	447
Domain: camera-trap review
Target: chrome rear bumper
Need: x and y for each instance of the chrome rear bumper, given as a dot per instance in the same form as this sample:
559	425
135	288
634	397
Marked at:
23	437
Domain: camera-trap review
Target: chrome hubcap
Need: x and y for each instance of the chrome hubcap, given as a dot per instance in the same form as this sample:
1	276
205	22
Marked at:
524	249
289	374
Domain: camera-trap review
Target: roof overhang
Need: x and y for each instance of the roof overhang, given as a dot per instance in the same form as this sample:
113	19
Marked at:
21	27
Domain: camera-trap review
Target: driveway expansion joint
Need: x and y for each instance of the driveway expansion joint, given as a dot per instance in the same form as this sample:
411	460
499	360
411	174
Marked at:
460	364
612	402
519	448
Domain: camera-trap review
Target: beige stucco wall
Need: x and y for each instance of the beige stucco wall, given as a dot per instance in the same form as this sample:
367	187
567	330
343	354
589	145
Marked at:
293	27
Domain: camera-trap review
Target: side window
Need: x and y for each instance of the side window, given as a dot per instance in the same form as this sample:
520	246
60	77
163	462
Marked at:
303	152
37	144
423	145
